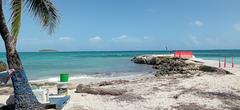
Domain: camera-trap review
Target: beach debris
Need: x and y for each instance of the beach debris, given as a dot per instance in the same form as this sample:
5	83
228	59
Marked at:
99	91
106	83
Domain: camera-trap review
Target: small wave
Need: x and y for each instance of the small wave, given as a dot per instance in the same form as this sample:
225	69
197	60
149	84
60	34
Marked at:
94	77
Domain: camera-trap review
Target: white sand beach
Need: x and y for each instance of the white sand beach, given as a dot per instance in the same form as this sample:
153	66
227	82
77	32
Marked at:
147	92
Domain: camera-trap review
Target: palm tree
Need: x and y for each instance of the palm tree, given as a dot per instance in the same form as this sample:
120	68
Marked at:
45	12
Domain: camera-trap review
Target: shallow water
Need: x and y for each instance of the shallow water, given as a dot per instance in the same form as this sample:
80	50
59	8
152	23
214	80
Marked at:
45	65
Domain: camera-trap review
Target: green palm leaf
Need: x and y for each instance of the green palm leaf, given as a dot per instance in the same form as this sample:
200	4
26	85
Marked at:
44	11
16	7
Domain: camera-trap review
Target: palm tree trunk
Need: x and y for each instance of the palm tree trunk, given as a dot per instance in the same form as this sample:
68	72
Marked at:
24	97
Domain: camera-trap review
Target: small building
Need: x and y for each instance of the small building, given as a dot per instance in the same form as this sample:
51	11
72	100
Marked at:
183	54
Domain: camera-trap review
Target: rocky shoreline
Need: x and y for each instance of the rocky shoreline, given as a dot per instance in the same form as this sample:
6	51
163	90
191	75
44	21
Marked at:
168	65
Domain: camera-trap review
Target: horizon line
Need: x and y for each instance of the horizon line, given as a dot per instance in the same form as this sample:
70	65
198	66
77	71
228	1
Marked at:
130	50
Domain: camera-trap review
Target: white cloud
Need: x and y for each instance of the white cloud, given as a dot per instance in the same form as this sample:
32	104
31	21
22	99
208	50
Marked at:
96	39
65	38
126	39
120	38
198	23
237	27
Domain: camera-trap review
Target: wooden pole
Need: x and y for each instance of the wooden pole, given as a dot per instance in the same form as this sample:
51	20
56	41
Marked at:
232	62
225	64
219	64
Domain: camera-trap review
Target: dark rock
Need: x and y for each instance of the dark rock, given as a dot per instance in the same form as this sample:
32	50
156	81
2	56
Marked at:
3	66
139	60
205	68
167	66
211	69
221	71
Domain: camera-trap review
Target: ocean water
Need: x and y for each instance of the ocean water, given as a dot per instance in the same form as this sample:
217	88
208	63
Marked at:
45	65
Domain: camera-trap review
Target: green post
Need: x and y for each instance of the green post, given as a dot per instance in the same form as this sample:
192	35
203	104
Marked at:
64	77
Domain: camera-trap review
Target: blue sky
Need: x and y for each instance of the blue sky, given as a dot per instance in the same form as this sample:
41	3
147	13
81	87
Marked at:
136	25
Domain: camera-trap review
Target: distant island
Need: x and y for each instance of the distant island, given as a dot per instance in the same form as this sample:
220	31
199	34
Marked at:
48	50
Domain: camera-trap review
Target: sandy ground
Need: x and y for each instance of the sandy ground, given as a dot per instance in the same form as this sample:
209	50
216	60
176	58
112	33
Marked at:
204	92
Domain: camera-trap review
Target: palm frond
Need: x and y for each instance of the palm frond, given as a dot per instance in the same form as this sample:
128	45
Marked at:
16	9
45	12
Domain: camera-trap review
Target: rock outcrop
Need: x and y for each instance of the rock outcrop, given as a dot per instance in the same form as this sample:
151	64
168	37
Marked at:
167	65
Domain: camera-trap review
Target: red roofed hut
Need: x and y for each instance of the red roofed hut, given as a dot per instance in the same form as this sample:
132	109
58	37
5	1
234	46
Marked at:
183	54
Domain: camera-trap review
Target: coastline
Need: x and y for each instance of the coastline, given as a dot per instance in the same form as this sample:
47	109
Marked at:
86	79
147	92
48	65
92	79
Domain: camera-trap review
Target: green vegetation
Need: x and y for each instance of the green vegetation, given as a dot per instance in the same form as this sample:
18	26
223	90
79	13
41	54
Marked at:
47	50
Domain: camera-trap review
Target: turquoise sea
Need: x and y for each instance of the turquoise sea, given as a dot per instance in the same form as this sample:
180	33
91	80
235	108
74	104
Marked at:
42	65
